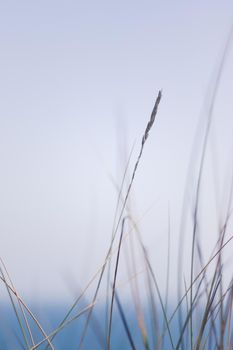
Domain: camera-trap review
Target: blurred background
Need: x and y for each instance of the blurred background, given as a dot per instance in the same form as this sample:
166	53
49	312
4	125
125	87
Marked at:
78	81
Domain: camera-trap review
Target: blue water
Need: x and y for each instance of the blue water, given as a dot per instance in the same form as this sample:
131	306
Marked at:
51	315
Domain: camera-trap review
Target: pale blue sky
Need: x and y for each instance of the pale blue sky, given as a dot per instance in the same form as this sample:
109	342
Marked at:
71	74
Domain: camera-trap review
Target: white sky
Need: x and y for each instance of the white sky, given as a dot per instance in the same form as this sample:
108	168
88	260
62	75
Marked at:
76	80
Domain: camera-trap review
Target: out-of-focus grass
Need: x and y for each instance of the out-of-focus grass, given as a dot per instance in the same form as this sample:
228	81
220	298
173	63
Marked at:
202	317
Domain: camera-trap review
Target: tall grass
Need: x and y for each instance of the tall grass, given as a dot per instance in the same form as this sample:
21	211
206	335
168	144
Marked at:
202	317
